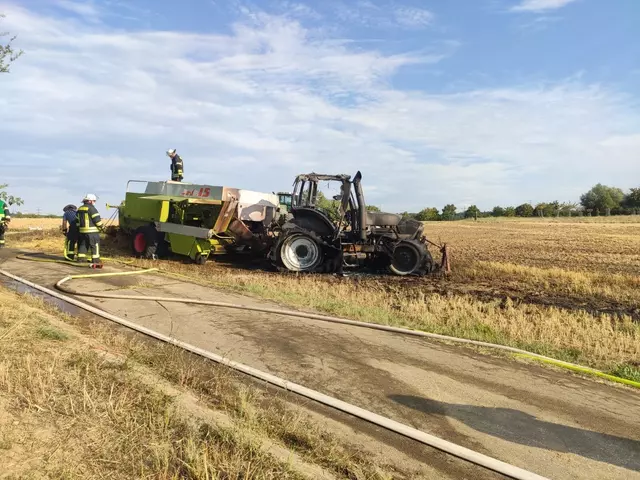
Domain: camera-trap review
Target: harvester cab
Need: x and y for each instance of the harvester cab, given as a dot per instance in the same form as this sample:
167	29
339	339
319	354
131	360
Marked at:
194	220
317	239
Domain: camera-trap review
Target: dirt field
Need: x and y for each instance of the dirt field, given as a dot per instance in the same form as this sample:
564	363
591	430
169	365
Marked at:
567	288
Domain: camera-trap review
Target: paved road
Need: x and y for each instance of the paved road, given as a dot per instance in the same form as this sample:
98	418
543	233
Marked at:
549	422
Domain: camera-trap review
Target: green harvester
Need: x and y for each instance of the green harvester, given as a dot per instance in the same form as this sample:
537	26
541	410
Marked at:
194	220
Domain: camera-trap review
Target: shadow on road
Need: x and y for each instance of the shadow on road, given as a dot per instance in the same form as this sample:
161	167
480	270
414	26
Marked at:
519	427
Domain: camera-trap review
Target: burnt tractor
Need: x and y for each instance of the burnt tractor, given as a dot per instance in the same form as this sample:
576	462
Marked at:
313	239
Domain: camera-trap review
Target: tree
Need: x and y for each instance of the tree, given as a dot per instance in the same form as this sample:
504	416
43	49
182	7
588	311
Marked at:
10	199
510	212
632	199
373	208
449	212
7	54
472	212
427	215
524	210
601	199
497	212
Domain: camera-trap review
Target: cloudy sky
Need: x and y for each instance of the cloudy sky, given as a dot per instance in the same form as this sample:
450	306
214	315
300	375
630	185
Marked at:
484	101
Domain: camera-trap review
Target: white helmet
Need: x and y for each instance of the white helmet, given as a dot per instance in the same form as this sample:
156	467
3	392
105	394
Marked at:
171	152
90	197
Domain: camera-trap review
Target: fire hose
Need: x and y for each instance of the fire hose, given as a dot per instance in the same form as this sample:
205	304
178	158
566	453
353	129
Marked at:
441	444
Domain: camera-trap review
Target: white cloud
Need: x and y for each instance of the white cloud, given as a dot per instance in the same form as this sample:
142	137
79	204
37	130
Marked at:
540	5
413	17
88	108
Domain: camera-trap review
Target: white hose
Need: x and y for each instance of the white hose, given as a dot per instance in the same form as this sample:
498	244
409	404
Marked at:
422	437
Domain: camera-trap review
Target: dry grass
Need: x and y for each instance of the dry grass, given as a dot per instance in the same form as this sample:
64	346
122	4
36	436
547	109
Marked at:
25	224
79	406
568	288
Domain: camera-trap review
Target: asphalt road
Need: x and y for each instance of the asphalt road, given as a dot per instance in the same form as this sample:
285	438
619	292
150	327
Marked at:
550	422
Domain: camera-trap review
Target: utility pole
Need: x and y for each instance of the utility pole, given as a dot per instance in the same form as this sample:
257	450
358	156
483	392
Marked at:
38	211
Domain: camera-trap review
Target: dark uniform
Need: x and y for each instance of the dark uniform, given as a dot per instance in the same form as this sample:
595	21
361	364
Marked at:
177	168
70	229
5	217
89	223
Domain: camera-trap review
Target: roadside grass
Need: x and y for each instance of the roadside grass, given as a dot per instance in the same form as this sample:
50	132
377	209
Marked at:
607	341
73	404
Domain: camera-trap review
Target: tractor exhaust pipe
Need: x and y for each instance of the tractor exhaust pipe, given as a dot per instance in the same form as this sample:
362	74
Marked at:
362	207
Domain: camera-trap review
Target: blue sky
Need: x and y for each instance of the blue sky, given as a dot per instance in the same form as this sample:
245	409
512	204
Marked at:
473	102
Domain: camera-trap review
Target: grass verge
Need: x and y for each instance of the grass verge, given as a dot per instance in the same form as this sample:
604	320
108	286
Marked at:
69	411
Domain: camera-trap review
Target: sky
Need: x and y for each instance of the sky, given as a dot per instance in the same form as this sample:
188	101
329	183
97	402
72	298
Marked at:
486	102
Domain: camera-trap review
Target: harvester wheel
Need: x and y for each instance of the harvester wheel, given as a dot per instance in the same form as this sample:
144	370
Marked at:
299	253
145	242
201	259
408	257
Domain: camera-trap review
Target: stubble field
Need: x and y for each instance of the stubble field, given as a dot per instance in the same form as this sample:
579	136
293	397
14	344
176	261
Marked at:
567	288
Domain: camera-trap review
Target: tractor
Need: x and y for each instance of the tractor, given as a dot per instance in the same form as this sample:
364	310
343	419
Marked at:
315	240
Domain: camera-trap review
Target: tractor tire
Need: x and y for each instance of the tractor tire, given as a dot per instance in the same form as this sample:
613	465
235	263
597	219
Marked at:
409	257
145	242
201	259
298	252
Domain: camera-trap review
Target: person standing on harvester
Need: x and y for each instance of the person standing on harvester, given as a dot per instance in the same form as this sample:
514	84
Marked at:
89	224
70	229
177	165
5	218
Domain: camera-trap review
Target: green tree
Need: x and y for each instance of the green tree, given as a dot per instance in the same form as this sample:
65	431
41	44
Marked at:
427	215
510	212
449	212
524	210
497	212
632	199
10	199
373	208
602	199
472	212
7	54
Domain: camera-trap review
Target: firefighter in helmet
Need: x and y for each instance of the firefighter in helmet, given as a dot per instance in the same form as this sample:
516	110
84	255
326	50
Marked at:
177	165
89	226
5	218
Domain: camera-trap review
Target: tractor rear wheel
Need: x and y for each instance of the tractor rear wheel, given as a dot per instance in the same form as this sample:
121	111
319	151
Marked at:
408	257
145	242
299	252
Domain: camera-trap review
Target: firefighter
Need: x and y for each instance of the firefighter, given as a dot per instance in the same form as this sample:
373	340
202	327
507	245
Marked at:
5	218
70	229
177	165
89	225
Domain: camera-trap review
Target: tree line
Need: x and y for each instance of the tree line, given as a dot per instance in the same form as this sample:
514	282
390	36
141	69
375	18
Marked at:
599	200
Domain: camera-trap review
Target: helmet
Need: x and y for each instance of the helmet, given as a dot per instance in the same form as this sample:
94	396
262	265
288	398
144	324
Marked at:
171	152
90	197
69	207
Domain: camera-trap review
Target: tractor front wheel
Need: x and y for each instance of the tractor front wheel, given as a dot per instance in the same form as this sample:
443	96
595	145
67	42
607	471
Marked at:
408	257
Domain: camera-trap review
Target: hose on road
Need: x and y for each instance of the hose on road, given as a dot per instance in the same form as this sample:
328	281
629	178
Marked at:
459	451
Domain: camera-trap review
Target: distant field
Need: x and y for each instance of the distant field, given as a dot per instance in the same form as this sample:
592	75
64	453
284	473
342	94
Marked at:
21	224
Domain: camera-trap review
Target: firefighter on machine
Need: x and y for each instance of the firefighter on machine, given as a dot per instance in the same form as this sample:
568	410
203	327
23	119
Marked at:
177	165
5	218
89	225
70	229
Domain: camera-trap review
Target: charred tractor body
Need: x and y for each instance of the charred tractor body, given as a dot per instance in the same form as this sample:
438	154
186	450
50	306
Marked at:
314	240
195	220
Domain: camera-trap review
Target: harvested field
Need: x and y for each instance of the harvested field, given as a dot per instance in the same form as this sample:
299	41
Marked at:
567	288
26	224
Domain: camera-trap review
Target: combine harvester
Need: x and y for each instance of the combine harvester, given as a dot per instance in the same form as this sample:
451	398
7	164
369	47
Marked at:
195	220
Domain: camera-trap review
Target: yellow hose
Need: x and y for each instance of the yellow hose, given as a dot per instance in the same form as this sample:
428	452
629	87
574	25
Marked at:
516	351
